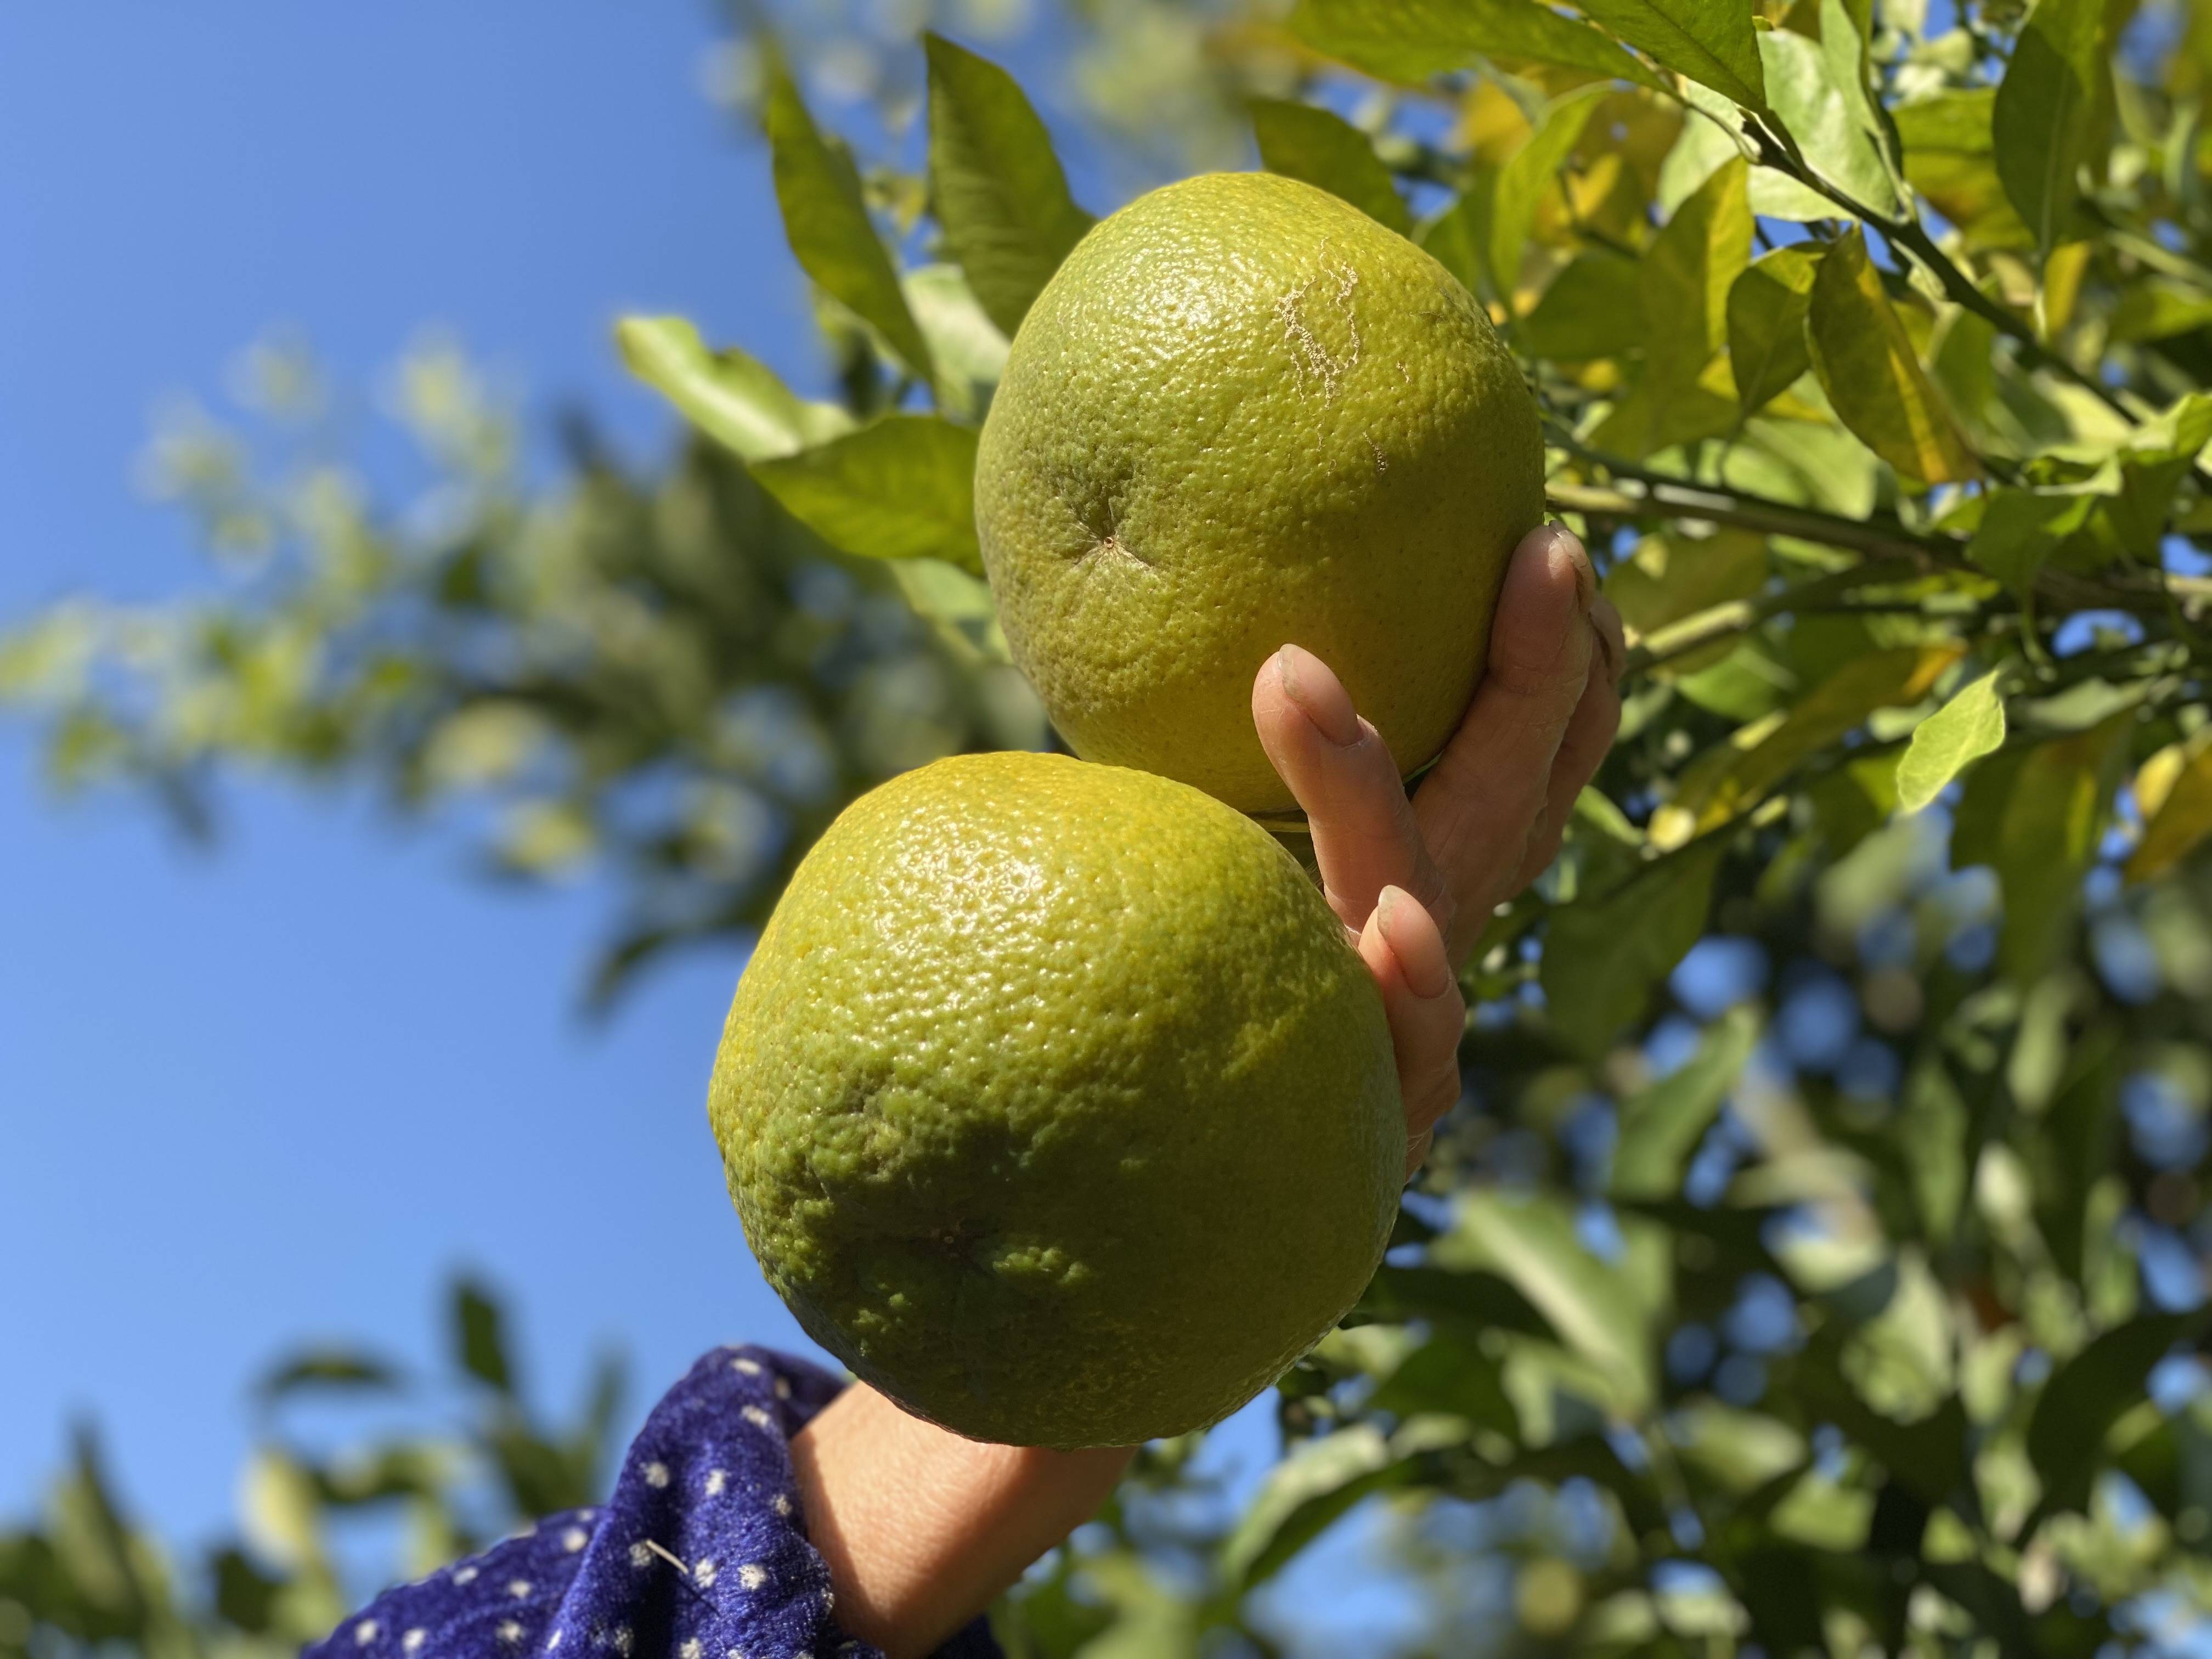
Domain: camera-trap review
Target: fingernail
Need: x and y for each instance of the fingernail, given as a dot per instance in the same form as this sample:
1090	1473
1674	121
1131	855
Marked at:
1585	573
1305	683
1427	974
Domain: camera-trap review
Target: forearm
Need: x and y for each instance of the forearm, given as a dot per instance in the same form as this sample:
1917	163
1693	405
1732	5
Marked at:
921	1528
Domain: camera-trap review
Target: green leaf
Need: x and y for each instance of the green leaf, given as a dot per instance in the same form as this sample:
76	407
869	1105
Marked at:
1970	726
732	398
1826	119
1710	41
2021	529
902	488
1950	157
1409	41
2054	812
1451	1372
1766	310
1301	141
2087	1395
2045	117
1594	308
480	1337
995	184
969	351
1598	1312
1661	1126
1603	956
1527	174
1301	1495
2154	310
825	219
1687	271
328	1368
1869	368
1746	771
1397	1296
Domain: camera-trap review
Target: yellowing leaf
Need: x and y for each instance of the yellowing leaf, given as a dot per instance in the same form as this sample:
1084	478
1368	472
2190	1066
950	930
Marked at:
732	398
1301	141
995	185
826	222
1874	379
1411	41
2182	818
1766	308
2043	118
1881	679
1970	726
1523	180
902	488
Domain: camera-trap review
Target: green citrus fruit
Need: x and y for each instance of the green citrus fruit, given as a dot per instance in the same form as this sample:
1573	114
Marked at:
1242	413
1055	1103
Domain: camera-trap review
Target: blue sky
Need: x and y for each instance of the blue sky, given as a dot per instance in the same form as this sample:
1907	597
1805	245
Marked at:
280	1091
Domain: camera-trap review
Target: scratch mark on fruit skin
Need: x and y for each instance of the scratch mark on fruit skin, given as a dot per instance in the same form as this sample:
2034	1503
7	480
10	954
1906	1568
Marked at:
1382	461
1309	356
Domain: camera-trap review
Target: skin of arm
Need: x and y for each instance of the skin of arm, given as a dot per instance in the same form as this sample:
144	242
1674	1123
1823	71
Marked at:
921	1528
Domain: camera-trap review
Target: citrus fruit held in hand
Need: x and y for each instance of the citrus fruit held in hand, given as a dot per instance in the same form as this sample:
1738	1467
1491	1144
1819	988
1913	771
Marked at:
1055	1103
1243	413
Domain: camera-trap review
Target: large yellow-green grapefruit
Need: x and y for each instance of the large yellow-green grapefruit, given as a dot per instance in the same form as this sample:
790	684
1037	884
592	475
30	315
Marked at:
1243	413
1055	1103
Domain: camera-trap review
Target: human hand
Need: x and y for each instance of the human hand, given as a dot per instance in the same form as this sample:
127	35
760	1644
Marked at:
1414	879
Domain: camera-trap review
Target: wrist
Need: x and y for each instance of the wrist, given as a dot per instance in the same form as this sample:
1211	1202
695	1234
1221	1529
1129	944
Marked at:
920	1528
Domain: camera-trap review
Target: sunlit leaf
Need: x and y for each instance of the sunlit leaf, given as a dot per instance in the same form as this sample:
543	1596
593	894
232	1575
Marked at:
1411	41
1685	391
1746	774
2044	120
1661	1126
1827	120
1710	41
1869	368
1592	1304
902	488
826	221
2181	820
732	398
995	184
1303	140
2054	811
1301	1495
1521	182
1970	726
1766	309
1950	157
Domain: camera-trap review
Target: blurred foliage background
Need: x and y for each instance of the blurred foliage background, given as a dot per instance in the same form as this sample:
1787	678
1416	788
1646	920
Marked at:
1816	1263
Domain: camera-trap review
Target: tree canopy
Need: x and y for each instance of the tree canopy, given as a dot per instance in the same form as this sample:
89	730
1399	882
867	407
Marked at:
1816	1261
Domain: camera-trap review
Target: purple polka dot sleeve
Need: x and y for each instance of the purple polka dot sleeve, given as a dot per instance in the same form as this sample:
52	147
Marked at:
699	1553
